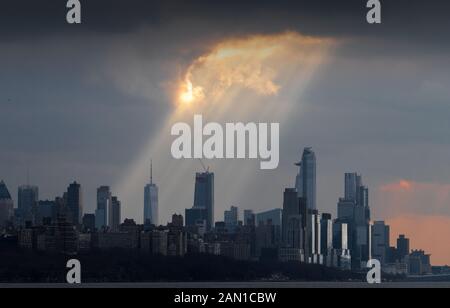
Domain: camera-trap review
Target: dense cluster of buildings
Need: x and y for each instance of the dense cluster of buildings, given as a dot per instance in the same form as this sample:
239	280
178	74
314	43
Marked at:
295	232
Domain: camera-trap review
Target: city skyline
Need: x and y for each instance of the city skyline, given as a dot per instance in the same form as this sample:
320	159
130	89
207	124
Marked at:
93	102
354	192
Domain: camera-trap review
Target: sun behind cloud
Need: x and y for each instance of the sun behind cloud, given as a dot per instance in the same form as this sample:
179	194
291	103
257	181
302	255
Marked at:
249	63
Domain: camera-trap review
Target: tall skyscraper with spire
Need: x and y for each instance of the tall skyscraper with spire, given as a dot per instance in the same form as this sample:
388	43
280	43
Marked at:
151	201
306	179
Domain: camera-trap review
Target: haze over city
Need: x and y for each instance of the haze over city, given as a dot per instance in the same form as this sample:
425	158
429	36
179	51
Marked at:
95	103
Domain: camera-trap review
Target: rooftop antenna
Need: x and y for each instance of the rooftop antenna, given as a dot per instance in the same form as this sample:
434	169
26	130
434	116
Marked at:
28	175
151	172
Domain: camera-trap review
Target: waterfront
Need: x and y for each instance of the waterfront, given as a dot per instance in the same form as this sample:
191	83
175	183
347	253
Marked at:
239	285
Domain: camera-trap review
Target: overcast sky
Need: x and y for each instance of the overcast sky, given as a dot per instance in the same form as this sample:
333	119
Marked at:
85	102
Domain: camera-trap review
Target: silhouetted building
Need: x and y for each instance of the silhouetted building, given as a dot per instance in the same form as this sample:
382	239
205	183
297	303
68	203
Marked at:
326	234
103	211
196	216
354	210
74	204
6	205
267	236
176	243
293	232
380	241
177	221
151	201
306	178
341	253
231	219
66	236
155	242
403	248
419	263
115	214
27	200
204	196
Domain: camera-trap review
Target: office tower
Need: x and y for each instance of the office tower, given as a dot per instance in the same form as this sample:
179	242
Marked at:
231	218
89	222
354	210
204	196
104	202
151	206
380	241
420	263
357	193
272	219
274	216
74	203
293	221
340	235
326	225
249	218
403	248
6	205
27	199
342	257
306	178
346	210
266	238
115	214
313	238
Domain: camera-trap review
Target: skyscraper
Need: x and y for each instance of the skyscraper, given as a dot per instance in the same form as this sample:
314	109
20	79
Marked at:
115	214
380	241
306	178
6	205
403	248
231	218
294	221
104	201
204	196
357	193
75	203
354	210
151	201
27	197
326	232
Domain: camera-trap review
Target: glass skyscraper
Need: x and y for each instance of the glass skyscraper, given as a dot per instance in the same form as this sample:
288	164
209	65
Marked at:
306	179
103	207
204	196
151	202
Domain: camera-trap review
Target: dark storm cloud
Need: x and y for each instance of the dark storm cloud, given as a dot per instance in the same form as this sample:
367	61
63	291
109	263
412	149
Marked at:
426	21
